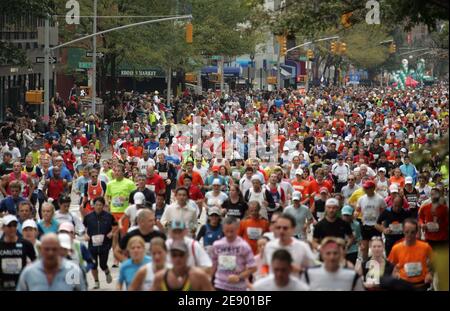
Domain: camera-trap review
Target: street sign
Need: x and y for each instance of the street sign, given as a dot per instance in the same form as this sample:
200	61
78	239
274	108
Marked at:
303	58
85	65
41	60
90	53
215	57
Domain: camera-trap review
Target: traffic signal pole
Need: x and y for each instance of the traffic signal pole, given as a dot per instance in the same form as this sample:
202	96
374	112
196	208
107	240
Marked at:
94	62
48	49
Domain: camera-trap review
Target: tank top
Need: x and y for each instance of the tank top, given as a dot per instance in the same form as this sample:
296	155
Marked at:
382	188
260	198
25	189
212	234
184	288
55	188
276	198
32	174
149	277
93	193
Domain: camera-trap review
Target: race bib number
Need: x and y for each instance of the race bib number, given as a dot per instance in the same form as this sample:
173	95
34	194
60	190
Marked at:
163	175
370	216
413	269
396	228
254	233
236	174
97	240
118	201
227	262
11	265
433	227
150	187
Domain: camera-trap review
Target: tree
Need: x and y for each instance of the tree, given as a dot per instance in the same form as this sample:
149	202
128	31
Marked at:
14	10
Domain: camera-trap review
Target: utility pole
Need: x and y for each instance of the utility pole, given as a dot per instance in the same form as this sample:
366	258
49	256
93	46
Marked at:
278	69
94	62
47	69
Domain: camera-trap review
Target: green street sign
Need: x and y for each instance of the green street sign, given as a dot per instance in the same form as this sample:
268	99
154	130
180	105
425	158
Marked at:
215	57
302	58
85	65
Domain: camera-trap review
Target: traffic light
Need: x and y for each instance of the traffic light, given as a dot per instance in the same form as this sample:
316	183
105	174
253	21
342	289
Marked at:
310	54
345	19
392	48
333	47
189	33
343	48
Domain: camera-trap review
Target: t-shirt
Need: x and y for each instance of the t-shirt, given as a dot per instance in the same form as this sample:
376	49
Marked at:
371	208
231	258
237	210
147	238
252	229
339	229
128	270
268	284
411	260
13	259
436	222
119	191
301	214
394	221
198	257
215	200
343	279
300	251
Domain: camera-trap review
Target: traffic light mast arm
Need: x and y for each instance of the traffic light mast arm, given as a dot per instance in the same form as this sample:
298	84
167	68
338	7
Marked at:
122	27
309	42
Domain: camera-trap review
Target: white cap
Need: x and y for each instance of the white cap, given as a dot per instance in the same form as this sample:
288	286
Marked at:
6	220
299	171
29	223
403	150
256	177
139	198
393	188
411	137
382	169
65	241
217	181
296	196
285	148
332	201
408	180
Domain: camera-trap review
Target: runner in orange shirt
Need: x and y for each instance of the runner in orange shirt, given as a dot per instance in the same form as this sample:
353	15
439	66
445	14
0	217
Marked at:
301	185
412	257
433	220
252	228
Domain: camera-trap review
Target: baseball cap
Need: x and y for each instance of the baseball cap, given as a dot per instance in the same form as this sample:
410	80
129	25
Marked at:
9	219
66	226
403	150
177	225
214	211
285	148
215	169
216	182
29	223
332	201
299	171
393	188
59	158
408	180
65	241
369	184
323	189
347	210
139	198
256	177
382	169
179	246
296	196
411	137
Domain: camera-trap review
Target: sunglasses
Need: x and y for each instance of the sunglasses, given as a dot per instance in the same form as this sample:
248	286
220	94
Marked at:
376	238
65	231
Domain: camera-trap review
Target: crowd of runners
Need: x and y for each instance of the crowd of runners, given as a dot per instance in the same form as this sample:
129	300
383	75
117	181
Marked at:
315	191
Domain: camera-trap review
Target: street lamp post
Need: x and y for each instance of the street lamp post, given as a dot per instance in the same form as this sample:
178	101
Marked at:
48	49
94	61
